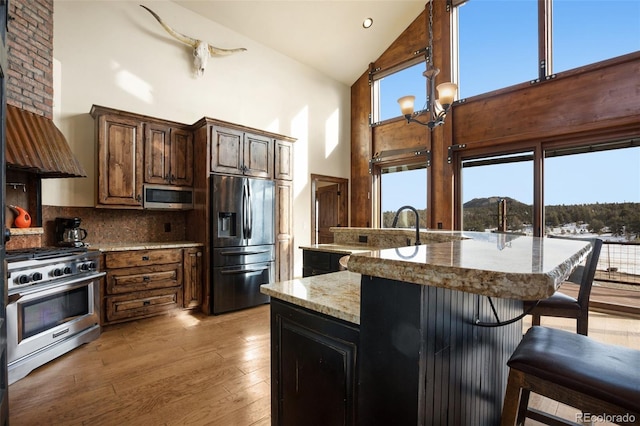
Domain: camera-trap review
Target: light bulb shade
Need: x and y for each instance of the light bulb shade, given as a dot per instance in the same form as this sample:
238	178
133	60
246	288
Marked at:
406	104
446	93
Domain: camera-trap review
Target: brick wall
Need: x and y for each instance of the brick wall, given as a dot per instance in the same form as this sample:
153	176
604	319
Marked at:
30	51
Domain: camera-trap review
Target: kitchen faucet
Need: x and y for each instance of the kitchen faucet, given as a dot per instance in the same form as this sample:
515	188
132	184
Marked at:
395	221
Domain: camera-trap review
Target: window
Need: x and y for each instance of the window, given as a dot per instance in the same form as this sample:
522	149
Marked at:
599	196
585	32
497	45
401	186
498	40
497	193
389	87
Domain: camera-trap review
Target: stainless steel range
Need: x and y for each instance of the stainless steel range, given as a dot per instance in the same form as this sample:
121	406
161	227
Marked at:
53	304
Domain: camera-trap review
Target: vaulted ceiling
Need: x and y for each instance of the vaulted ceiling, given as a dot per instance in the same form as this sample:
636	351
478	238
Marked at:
326	35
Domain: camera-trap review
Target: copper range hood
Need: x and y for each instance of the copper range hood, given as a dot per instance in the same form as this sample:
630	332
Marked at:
36	145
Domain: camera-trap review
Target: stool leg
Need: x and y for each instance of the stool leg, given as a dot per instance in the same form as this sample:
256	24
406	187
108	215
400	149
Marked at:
583	325
510	414
522	408
535	319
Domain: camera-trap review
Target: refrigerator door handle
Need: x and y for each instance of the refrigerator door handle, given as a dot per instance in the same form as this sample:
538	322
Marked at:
243	253
250	212
242	271
244	209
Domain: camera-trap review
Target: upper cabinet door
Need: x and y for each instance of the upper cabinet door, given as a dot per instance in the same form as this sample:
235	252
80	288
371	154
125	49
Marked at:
181	164
168	155
226	151
157	153
258	156
284	160
120	162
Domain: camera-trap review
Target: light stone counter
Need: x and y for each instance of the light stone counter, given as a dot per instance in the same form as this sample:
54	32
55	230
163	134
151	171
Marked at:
490	264
500	265
125	246
336	294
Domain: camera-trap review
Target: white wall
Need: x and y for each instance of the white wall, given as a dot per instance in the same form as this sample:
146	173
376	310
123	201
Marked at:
115	54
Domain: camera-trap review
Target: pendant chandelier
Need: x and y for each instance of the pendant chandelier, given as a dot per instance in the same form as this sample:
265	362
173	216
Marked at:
447	91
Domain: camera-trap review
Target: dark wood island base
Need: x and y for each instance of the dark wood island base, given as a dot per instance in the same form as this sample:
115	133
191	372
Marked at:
417	358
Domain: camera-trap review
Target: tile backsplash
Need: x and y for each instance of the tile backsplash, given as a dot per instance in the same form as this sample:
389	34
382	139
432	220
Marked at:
112	225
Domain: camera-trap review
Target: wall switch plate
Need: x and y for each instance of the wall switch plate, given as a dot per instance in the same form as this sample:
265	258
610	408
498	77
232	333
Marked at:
167	227
362	238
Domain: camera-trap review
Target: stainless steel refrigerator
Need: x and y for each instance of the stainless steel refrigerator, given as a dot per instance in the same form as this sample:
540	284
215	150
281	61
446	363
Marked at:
243	241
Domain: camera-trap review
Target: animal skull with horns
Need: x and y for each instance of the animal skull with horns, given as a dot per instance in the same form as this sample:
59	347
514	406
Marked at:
201	49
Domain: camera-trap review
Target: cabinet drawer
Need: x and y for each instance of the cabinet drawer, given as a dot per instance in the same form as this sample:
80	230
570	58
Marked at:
143	278
127	259
142	304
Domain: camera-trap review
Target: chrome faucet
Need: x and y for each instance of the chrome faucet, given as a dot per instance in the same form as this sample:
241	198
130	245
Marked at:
395	221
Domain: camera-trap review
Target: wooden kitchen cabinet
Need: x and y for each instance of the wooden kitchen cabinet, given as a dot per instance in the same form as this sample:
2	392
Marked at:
320	262
192	286
168	155
120	153
284	230
283	160
284	209
141	283
314	367
241	153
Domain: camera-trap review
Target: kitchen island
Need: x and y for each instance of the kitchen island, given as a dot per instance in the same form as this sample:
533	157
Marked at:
416	353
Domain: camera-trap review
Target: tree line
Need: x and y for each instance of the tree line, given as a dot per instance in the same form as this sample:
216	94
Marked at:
480	214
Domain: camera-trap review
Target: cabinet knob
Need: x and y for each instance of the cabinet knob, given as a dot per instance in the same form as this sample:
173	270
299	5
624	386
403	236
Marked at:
145	257
145	278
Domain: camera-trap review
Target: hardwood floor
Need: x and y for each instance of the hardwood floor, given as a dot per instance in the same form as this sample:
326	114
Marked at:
177	369
193	369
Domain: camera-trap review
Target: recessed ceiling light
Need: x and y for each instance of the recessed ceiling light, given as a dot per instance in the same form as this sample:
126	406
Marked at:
367	23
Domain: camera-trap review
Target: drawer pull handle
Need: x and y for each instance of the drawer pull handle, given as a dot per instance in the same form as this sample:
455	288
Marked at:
145	257
145	278
146	302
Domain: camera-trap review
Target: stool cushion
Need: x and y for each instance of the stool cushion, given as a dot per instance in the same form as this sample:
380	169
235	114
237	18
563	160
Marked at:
557	300
608	372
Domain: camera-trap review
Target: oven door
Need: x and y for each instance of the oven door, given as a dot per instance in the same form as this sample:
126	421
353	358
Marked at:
40	317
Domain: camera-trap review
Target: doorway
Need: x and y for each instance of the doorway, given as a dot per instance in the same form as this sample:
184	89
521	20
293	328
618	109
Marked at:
329	198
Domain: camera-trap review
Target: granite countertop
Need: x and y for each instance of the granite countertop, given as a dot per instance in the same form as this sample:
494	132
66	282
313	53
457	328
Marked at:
125	246
491	264
336	294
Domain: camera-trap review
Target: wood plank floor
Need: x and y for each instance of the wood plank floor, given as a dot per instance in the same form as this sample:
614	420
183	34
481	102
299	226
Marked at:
192	369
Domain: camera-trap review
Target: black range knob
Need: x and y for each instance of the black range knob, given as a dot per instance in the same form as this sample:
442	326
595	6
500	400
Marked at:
36	276
67	270
22	279
57	272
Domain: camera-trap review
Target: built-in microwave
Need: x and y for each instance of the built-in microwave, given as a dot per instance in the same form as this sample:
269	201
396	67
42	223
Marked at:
168	197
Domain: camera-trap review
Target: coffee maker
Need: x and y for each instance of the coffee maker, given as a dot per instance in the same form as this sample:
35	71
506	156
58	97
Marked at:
68	232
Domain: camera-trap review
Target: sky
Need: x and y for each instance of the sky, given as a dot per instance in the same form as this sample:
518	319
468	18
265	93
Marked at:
584	31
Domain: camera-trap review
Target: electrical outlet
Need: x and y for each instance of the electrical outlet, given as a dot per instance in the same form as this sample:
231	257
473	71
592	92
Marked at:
362	238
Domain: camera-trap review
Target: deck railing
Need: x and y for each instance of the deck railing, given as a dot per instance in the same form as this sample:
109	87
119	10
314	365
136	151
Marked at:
619	263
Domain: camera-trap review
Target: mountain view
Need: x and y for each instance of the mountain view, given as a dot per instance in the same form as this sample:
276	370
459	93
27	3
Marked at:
620	221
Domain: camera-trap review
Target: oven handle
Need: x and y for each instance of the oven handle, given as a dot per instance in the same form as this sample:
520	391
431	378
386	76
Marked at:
68	285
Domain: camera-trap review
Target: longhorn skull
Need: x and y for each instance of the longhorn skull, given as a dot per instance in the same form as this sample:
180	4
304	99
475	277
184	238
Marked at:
201	49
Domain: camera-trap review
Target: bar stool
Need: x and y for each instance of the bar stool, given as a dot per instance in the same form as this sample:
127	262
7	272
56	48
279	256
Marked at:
564	306
573	369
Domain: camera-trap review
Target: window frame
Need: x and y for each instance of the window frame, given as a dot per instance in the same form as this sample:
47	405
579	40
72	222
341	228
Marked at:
374	82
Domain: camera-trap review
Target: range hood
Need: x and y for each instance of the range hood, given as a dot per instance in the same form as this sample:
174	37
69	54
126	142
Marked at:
36	145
